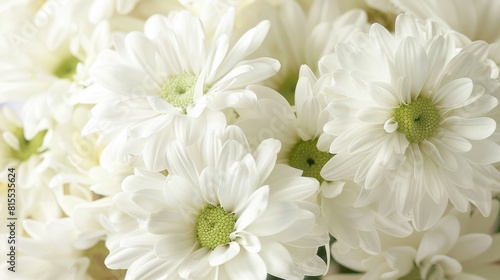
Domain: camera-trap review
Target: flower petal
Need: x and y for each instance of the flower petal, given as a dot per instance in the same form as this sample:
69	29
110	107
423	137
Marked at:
246	266
224	253
454	93
474	129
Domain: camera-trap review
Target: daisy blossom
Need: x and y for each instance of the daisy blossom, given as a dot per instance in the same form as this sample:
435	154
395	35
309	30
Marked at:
459	246
412	122
162	81
221	213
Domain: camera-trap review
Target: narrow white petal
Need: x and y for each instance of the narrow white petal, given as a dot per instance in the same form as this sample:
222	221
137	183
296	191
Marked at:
265	157
474	129
454	93
246	266
412	62
279	261
224	253
278	217
470	246
257	204
174	247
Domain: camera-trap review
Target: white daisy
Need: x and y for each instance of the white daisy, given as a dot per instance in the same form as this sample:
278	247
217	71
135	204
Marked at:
477	19
162	80
221	213
412	122
459	246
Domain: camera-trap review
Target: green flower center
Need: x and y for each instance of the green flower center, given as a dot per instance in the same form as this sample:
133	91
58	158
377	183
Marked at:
66	68
306	156
27	148
179	90
417	120
213	227
287	88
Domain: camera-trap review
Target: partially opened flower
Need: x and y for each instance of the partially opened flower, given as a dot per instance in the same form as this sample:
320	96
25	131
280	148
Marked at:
171	74
412	124
221	213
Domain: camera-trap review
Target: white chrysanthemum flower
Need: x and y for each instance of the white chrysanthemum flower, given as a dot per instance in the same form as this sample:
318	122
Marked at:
477	19
305	147
163	80
459	246
221	213
412	122
298	37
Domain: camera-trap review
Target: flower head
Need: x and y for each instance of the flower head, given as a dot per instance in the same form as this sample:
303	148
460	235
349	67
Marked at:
167	75
412	121
222	212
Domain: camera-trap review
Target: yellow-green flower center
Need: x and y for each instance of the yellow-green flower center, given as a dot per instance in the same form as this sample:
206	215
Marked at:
66	69
27	148
179	90
213	227
306	156
417	120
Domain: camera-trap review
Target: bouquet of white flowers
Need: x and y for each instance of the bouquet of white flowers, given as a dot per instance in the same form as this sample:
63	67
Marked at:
250	139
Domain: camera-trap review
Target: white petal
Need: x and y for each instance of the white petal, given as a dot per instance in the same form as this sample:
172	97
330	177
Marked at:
375	115
246	45
293	188
174	247
189	129
180	163
470	246
195	265
341	166
257	204
484	152
439	240
210	182
454	93
241	182
411	61
265	157
279	261
277	217
383	94
474	129
169	222
224	253
246	266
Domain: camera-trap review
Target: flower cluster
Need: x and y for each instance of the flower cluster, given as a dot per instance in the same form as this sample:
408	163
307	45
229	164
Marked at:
250	139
